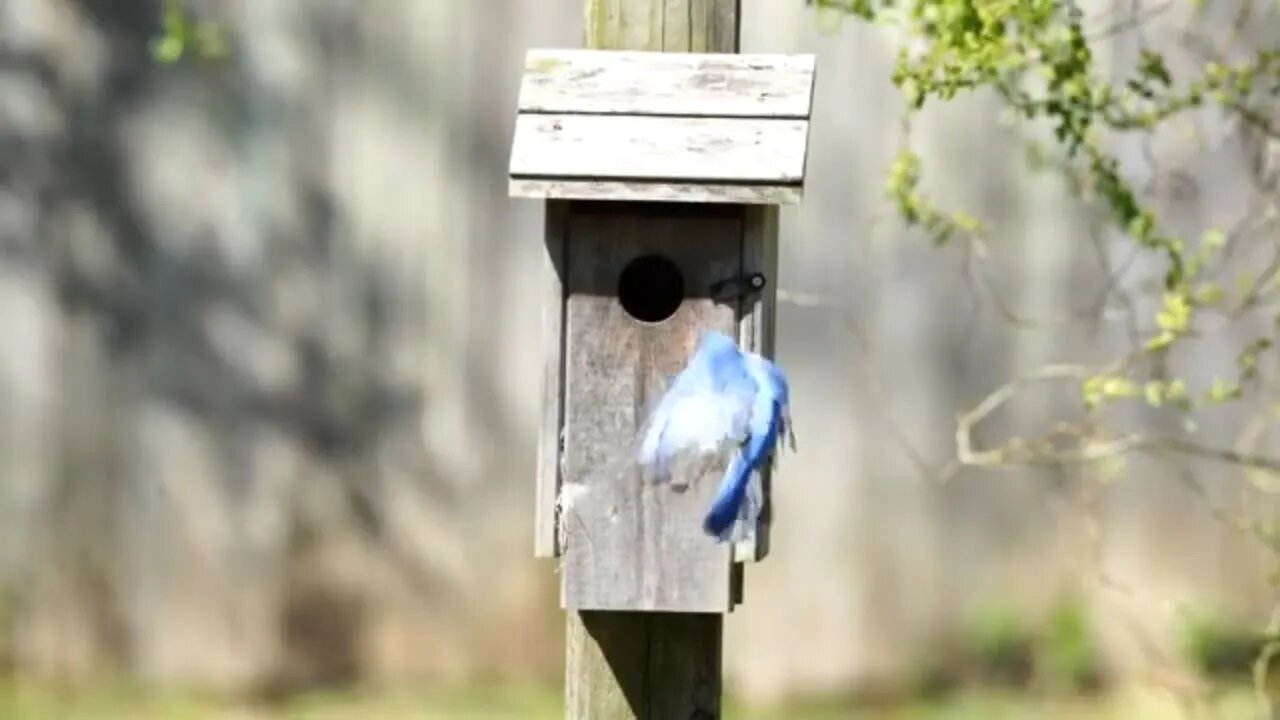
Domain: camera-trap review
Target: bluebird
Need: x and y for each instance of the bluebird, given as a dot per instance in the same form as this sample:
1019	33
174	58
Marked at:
724	400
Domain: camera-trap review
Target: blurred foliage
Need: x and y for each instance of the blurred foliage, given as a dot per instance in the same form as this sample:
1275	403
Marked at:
1221	649
35	701
29	702
6	633
1042	62
1001	648
183	34
1038	59
1069	659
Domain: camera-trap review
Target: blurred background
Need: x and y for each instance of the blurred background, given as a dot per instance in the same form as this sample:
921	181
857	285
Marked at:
269	388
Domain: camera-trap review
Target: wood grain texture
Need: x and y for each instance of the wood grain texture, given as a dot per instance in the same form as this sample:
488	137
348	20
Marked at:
686	192
650	665
720	26
756	331
549	430
632	544
659	148
673	26
649	83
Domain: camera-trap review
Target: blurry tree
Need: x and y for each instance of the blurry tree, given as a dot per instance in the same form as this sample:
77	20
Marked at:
1045	63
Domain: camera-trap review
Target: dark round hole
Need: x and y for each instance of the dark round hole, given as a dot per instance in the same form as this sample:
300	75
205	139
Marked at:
651	288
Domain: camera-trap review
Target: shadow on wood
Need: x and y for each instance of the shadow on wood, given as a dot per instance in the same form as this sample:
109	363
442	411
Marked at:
644	665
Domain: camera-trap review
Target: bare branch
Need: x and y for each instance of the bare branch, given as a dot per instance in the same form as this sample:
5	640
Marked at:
1135	18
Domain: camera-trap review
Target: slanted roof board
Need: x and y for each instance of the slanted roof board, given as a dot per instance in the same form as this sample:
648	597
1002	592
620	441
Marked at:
617	82
660	148
691	192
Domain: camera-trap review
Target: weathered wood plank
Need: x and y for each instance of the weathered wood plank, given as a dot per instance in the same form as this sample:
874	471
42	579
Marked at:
653	665
673	26
677	26
659	148
659	191
649	83
724	26
553	304
756	330
631	544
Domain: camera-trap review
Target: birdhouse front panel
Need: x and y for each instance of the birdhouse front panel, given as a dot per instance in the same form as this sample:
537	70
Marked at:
638	284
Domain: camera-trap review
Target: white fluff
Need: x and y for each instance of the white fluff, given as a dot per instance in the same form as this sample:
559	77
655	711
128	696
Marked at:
702	424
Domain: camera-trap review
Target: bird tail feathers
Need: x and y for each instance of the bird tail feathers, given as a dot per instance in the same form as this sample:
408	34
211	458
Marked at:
730	499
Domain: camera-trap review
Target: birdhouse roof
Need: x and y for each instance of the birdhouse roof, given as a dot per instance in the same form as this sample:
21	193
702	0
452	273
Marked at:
693	127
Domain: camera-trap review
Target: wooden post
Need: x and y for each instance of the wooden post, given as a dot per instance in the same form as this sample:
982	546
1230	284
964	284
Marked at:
660	172
624	665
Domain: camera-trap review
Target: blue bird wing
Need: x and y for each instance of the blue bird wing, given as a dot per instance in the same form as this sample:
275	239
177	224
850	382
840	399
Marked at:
736	507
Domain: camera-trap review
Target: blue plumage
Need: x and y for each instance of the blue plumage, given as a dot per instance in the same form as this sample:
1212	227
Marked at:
723	400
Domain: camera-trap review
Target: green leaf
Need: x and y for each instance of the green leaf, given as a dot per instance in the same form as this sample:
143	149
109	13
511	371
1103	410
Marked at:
1091	391
1119	387
1208	294
211	39
1214	239
1151	66
168	49
1175	317
1154	393
1222	391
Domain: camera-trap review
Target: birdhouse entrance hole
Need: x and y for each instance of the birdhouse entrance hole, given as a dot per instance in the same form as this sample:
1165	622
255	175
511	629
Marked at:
650	288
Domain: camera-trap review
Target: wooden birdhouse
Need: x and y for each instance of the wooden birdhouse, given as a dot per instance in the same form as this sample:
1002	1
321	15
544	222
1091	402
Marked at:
662	173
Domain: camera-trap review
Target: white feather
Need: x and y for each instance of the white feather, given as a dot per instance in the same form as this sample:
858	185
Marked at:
700	424
703	422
